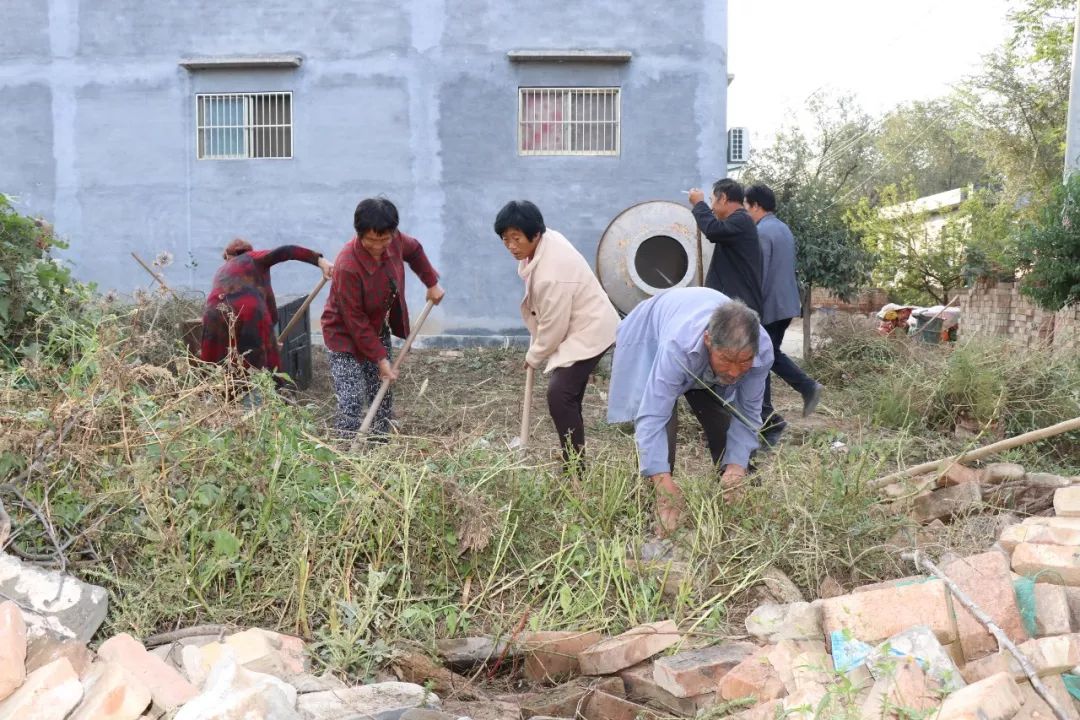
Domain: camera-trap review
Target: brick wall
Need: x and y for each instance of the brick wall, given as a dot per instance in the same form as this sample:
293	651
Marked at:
1001	310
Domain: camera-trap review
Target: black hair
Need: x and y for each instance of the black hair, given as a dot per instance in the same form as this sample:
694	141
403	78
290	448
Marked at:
731	189
520	214
762	196
378	214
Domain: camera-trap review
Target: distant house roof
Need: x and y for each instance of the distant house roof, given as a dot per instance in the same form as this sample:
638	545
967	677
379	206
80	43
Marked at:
943	201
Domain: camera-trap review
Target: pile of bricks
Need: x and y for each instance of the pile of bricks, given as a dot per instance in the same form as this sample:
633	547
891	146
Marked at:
899	649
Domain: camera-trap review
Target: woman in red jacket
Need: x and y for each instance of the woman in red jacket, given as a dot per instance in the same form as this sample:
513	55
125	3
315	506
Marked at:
241	311
366	305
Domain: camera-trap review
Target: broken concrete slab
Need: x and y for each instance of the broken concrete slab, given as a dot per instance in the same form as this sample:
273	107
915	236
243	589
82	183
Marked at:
12	648
564	700
378	701
996	698
255	649
987	581
168	687
695	672
53	602
794	621
49	693
879	614
641	686
232	692
551	657
111	693
630	648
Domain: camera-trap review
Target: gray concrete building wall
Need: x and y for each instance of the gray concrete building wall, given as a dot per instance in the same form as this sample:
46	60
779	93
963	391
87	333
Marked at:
416	101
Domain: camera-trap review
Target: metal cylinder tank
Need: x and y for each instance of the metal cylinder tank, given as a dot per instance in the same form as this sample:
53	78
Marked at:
649	248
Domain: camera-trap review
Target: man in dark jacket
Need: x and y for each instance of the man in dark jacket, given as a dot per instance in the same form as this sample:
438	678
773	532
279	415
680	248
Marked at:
736	267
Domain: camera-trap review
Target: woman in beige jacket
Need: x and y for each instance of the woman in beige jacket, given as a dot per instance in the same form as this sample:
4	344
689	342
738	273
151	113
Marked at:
569	316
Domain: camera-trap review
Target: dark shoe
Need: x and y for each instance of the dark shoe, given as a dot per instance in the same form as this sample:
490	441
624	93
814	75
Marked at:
771	435
810	400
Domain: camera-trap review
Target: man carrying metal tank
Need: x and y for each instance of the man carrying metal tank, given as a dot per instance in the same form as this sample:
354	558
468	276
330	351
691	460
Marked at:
708	348
781	304
569	316
736	266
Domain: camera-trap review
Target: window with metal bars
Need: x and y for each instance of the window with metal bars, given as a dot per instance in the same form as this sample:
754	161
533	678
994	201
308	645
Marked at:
568	121
238	126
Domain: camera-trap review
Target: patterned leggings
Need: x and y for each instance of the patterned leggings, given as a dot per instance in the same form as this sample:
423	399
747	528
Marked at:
355	384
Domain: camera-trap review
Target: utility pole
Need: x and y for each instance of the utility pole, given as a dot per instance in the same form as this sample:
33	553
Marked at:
1072	129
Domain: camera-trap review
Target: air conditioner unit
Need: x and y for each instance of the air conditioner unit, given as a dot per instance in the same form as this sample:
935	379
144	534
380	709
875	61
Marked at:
738	145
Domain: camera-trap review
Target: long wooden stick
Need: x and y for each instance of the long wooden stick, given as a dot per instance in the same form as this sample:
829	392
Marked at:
526	407
1004	642
154	275
370	417
979	453
300	312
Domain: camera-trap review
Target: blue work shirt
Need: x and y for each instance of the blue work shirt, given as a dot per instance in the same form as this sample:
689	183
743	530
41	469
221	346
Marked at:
660	354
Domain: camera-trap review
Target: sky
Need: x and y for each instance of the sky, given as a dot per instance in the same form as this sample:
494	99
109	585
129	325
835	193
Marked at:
885	53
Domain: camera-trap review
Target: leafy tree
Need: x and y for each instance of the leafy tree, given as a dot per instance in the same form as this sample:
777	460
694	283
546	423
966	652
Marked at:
929	147
1018	102
920	253
1050	250
814	178
31	281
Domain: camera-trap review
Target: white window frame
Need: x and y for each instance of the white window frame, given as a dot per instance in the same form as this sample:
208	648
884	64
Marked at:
280	144
567	127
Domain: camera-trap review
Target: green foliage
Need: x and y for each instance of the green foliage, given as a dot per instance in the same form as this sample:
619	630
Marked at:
1050	250
814	178
919	258
927	146
1018	102
31	282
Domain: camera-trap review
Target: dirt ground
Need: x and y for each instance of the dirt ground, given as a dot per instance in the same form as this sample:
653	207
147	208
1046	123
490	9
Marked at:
475	396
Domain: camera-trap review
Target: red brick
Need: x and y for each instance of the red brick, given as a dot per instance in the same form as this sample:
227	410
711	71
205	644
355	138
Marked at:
630	648
996	698
551	657
111	693
167	686
1052	616
947	502
987	581
801	664
878	615
602	706
12	648
904	686
753	677
1052	563
49	693
694	672
957	474
641	686
1035	708
1067	502
564	700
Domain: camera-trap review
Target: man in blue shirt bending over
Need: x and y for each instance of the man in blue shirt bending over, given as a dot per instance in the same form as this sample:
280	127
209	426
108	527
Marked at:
709	348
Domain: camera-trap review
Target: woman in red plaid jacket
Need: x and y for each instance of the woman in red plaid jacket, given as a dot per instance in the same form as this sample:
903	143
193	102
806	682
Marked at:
241	311
367	305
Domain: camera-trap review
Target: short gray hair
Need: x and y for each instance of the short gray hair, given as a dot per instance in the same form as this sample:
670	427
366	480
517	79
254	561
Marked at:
734	326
